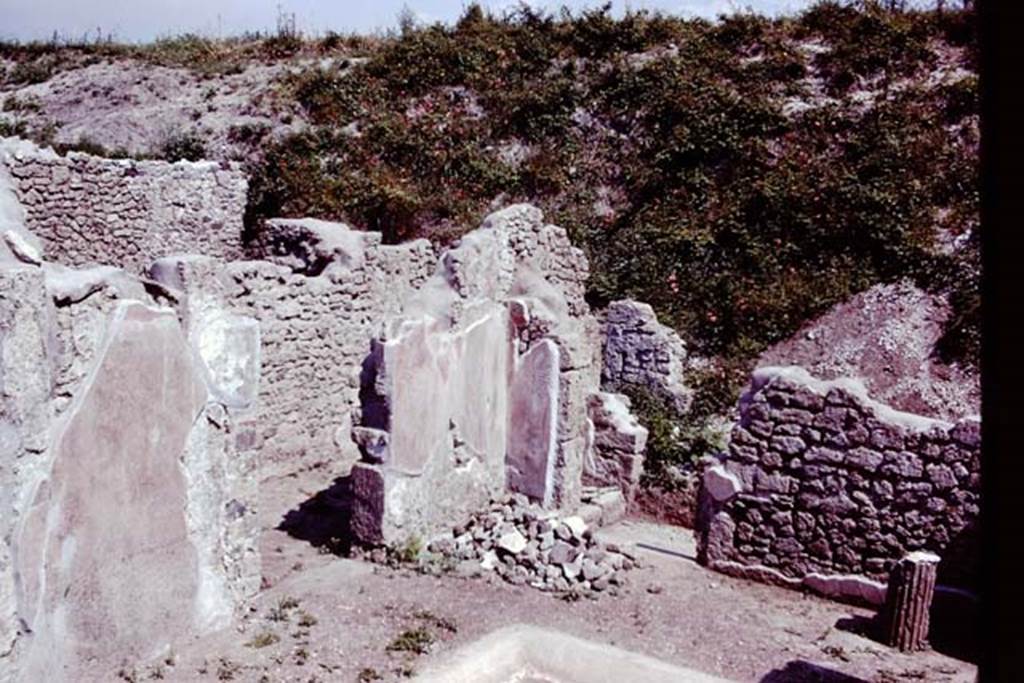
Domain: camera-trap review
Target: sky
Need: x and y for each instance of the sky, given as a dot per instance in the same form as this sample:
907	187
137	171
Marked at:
146	20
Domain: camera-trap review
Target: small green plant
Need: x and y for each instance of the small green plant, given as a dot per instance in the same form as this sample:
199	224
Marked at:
282	610
33	71
263	639
442	623
248	133
836	652
28	104
87	145
369	674
227	669
960	99
13	129
410	550
416	641
306	620
183	146
405	670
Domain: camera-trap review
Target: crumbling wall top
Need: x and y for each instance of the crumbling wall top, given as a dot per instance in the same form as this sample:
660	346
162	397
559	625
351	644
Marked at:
820	479
88	210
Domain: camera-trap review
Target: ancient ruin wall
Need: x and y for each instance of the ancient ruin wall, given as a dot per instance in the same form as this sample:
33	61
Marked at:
482	378
640	352
821	481
315	333
548	309
88	210
172	460
616	457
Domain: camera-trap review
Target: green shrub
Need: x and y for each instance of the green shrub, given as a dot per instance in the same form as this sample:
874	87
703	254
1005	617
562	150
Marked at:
677	443
666	445
868	40
22	104
960	99
33	71
409	551
416	641
735	222
263	639
85	145
17	129
183	146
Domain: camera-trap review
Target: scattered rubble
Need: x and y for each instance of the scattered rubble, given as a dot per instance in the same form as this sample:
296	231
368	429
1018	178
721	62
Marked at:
524	544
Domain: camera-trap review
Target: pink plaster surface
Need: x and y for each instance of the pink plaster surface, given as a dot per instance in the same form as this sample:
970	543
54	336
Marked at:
107	568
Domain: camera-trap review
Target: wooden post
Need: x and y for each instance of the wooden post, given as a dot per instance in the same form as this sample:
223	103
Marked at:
908	601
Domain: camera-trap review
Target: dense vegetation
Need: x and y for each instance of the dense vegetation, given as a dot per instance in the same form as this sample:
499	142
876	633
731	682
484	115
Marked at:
742	176
666	148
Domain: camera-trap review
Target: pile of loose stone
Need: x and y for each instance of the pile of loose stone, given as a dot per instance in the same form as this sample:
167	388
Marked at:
527	545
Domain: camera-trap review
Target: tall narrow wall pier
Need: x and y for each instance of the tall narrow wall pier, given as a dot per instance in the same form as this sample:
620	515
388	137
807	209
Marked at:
126	474
824	487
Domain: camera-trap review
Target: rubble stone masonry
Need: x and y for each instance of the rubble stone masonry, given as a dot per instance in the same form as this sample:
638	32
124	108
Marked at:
88	210
820	480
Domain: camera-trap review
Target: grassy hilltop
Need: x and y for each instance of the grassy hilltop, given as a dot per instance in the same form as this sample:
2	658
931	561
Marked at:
742	175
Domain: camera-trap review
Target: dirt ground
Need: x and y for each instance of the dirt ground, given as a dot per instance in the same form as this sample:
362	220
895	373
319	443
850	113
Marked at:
326	618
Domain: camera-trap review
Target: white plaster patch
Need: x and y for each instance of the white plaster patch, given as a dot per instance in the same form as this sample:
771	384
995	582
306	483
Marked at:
230	348
22	249
720	484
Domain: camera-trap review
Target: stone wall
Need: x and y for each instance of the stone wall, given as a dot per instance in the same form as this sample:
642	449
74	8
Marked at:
553	327
640	352
825	487
121	468
435	435
619	444
483	378
88	210
315	334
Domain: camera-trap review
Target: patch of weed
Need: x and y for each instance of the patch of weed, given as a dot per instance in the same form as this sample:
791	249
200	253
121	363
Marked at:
263	639
442	623
416	641
369	674
227	669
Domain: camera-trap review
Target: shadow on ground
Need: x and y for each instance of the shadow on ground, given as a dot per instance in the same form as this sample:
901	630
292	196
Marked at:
953	629
323	520
667	551
799	671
